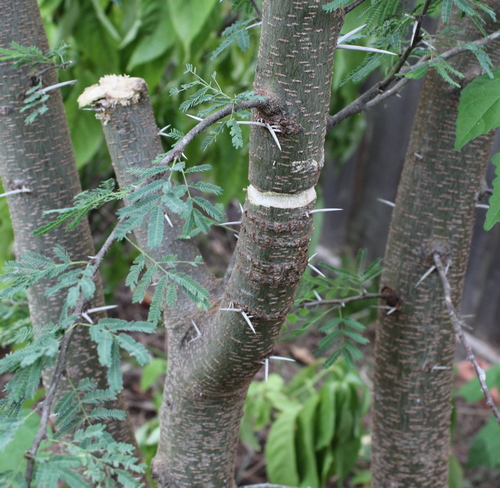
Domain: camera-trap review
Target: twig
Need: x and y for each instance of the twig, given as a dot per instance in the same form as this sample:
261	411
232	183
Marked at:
389	86
257	9
178	149
352	6
457	326
61	366
341	301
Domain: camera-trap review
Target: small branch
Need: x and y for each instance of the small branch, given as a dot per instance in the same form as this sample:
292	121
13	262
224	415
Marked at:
178	149
61	366
457	326
342	301
257	9
389	86
353	5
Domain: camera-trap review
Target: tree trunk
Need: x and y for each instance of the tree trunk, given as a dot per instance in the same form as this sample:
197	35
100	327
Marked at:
434	212
207	378
38	156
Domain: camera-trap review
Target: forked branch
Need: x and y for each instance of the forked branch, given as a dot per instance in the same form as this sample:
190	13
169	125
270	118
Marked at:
393	83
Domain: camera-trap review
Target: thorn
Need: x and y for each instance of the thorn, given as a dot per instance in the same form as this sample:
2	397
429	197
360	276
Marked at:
253	25
316	294
447	268
167	218
478	205
427	273
266	369
161	132
316	269
241	208
245	316
86	316
199	119
57	85
23	189
318	210
281	358
387	202
197	331
418	156
273	134
100	309
352	47
392	310
312	257
236	222
349	34
440	367
231	309
414	32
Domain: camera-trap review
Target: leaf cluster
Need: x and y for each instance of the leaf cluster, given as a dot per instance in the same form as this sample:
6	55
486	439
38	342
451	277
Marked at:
84	202
343	333
182	199
109	335
211	93
317	427
169	280
32	55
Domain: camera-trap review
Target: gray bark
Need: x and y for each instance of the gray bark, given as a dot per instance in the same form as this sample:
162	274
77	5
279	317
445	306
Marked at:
39	157
415	346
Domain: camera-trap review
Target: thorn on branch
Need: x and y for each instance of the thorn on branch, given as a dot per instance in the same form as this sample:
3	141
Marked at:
23	189
457	326
386	202
427	273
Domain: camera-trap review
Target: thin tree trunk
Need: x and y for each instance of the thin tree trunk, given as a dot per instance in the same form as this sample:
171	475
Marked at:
434	212
39	157
207	378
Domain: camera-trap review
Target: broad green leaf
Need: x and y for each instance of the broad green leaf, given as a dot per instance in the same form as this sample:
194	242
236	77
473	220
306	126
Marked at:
153	45
188	18
305	443
493	213
325	424
455	473
18	439
479	108
151	372
280	450
485	449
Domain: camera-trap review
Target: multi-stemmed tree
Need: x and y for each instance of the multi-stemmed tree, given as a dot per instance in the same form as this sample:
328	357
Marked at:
219	330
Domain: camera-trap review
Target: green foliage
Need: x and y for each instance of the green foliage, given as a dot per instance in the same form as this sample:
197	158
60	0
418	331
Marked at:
235	32
343	333
14	315
31	55
84	203
109	342
317	428
212	94
493	213
94	460
479	108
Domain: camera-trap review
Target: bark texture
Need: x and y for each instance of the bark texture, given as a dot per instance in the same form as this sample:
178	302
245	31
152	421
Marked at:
207	378
434	212
39	157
